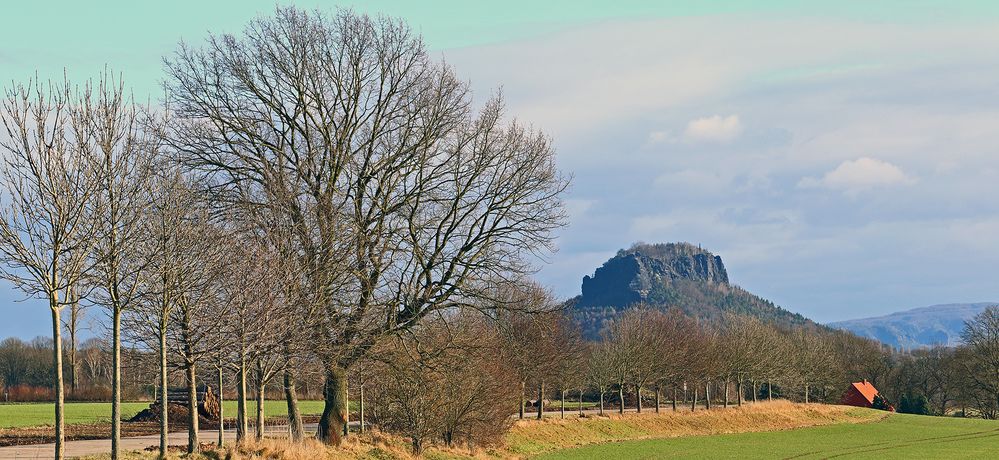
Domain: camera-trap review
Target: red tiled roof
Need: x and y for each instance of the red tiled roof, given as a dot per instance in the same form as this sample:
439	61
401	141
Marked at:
866	389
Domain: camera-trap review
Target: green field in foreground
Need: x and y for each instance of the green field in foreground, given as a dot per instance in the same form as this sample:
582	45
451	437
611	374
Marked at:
37	414
899	436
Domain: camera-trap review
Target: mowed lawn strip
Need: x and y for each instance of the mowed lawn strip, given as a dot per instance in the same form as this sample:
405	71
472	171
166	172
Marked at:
14	415
898	436
529	438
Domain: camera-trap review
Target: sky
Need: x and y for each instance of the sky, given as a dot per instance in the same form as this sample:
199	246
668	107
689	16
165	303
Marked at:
841	157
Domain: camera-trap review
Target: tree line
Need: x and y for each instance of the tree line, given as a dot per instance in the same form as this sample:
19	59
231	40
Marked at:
665	358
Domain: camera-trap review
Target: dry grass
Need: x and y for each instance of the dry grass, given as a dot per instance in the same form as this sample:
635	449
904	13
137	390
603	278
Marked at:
528	438
534	437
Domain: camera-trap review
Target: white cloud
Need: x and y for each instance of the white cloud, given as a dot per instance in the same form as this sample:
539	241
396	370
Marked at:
855	176
713	129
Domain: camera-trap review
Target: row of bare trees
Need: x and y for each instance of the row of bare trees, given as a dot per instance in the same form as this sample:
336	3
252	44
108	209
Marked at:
648	355
309	189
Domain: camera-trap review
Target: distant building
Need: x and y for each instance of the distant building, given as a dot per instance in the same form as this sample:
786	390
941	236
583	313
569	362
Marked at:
860	394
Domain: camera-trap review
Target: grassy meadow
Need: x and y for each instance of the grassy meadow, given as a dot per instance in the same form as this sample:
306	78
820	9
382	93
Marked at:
18	415
898	436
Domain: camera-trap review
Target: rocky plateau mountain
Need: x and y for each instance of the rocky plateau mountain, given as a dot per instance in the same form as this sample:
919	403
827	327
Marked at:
669	275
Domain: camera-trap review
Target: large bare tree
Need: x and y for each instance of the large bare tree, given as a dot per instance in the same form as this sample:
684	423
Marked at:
402	200
46	223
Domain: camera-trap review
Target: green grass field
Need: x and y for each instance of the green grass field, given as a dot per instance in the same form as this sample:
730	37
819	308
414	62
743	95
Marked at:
899	436
37	414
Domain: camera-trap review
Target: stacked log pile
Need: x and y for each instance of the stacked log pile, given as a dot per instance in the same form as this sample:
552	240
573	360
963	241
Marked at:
209	406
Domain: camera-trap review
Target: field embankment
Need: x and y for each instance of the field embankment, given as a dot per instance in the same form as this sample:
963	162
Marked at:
536	437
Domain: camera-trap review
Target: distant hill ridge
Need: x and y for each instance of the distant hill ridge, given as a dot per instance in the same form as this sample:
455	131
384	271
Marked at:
919	327
664	275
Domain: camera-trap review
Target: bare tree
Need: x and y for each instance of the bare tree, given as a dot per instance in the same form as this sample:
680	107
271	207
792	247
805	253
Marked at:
566	362
403	201
520	311
750	348
445	378
981	360
600	370
197	311
672	329
261	311
121	156
174	240
45	223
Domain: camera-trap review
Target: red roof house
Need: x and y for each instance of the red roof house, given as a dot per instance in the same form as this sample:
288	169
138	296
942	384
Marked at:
860	394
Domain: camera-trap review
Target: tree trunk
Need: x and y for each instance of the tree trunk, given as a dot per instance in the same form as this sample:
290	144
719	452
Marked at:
523	388
346	408
361	401
334	418
221	442
806	393
620	395
725	404
602	402
693	399
115	382
192	409
562	402
59	390
242	418
657	398
74	311
638	398
770	391
580	402
260	406
295	428
707	395
164	413
674	398
541	400
739	389
755	391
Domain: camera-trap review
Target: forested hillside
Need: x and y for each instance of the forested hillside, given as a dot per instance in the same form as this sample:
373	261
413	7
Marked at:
917	328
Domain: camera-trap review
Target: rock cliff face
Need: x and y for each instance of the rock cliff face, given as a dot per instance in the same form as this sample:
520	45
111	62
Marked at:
673	275
633	274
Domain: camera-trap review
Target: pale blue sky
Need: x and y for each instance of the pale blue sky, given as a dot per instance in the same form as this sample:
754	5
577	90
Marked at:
841	159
